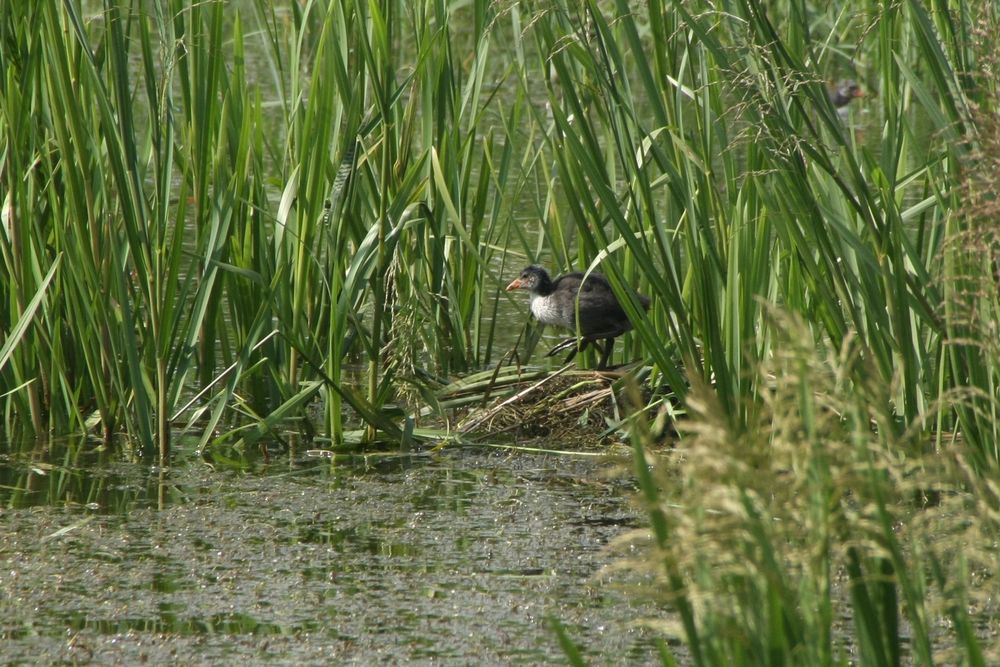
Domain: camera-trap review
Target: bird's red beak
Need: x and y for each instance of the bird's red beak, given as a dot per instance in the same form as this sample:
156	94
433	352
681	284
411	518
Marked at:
858	92
514	284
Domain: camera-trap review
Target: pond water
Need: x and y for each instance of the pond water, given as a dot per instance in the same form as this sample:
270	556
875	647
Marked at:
457	557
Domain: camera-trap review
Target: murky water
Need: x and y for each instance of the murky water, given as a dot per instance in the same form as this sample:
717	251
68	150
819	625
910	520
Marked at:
453	558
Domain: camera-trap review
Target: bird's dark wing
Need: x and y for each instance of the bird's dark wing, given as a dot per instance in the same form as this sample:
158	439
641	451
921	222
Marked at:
601	315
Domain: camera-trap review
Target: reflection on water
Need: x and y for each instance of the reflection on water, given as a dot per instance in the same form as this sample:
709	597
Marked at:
458	557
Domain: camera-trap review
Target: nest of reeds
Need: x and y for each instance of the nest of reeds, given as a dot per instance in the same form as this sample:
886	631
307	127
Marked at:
567	408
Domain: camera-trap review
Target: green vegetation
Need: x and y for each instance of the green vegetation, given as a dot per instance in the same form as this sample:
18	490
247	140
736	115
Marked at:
214	219
820	533
242	224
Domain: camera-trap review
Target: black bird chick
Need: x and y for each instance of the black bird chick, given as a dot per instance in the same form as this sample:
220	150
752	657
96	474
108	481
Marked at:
844	93
588	306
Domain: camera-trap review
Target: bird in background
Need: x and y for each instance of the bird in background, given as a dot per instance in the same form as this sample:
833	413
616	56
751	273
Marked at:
843	93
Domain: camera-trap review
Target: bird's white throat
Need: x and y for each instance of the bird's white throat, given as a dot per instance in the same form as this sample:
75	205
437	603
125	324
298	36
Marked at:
545	310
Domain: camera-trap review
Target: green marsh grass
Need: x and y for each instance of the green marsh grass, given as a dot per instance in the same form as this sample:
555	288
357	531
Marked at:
819	533
253	217
700	160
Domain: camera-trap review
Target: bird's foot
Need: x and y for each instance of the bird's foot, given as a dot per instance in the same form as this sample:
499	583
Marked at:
566	345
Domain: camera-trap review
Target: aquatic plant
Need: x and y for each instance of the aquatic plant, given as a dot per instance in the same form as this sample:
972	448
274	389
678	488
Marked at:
242	224
820	532
734	191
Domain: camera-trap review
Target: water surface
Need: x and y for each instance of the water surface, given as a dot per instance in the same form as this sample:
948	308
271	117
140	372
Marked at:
453	558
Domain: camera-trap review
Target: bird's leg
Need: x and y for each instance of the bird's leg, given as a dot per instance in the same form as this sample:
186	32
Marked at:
564	345
572	344
579	348
606	356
